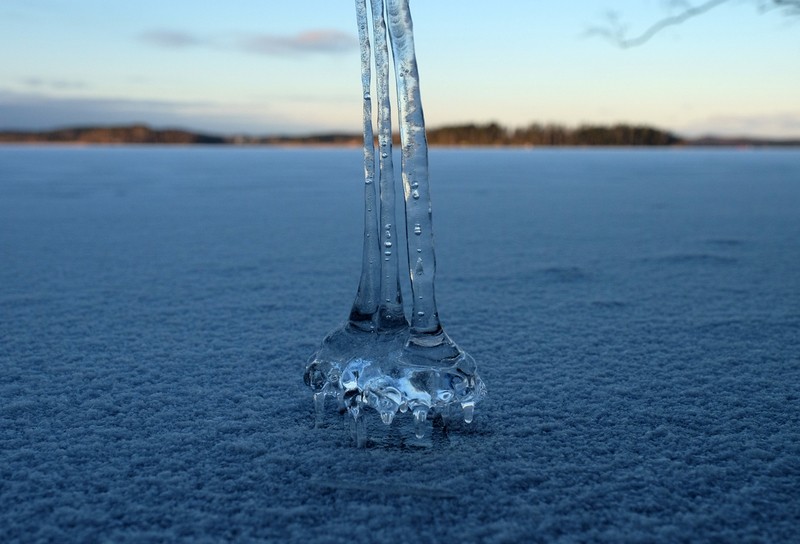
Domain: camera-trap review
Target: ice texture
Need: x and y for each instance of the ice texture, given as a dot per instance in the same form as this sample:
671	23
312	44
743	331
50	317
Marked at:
378	370
377	359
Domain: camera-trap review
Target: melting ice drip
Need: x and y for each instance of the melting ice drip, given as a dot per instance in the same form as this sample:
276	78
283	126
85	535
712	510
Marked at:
377	359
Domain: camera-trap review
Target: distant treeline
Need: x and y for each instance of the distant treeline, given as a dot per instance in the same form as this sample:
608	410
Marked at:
490	134
134	134
551	135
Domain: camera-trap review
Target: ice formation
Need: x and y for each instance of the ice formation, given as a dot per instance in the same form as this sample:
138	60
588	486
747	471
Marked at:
377	359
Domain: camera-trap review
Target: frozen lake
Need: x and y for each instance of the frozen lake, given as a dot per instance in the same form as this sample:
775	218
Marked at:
635	315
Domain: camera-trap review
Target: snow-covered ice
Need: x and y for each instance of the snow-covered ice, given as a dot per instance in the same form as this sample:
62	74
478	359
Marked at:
634	312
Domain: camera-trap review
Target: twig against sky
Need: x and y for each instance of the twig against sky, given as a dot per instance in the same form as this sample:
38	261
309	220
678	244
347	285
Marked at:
616	32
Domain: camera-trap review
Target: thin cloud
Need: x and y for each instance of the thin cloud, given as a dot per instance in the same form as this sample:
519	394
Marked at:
321	41
313	41
37	111
34	110
54	84
784	125
171	39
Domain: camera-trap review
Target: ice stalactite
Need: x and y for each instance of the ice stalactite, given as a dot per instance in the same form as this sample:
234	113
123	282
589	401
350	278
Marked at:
376	360
428	339
362	315
391	314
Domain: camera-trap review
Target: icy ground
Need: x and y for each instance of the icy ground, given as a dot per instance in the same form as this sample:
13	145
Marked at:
634	314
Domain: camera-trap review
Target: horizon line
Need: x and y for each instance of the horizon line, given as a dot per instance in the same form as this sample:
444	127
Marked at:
156	127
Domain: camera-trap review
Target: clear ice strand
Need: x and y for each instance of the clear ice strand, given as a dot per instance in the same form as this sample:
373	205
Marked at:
391	315
416	189
366	303
416	370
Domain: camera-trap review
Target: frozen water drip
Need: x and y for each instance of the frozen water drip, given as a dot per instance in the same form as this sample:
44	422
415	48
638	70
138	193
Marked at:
377	359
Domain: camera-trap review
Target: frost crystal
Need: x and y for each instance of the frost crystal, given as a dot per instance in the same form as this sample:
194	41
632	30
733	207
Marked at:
377	360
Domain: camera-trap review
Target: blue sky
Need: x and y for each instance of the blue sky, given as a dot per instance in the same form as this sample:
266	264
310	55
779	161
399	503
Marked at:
267	67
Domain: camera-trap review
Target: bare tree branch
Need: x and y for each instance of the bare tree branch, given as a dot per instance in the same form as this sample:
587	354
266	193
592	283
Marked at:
791	7
616	32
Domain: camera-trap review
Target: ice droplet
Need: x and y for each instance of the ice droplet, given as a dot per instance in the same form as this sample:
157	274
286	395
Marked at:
358	429
469	411
420	415
415	194
387	244
445	395
319	408
349	380
417	229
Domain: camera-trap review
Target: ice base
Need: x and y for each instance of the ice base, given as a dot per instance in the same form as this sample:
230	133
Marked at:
392	372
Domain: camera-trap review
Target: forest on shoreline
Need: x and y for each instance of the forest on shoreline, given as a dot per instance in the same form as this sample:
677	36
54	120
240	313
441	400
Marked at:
487	135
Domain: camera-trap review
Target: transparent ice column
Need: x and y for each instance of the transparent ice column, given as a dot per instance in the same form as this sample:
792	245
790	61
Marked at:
376	360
